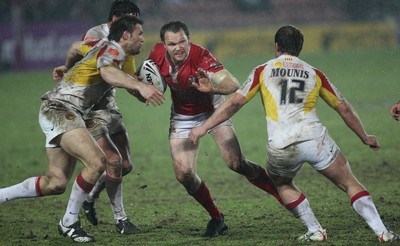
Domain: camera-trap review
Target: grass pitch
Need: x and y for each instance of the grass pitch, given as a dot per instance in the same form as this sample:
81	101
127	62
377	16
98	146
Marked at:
160	206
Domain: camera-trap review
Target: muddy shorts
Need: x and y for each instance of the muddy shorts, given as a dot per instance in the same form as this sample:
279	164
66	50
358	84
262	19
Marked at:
180	125
319	153
56	118
102	122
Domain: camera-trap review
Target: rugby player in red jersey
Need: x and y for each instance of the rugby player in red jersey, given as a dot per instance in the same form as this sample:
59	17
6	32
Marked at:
198	81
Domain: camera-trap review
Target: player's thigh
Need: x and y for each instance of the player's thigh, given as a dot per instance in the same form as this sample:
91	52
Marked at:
81	145
340	173
184	155
228	144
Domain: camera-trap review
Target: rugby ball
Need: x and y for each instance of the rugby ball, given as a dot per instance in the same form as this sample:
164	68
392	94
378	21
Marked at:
151	75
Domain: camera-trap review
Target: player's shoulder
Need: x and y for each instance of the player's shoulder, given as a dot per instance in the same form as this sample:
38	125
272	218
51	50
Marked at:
97	32
200	55
109	50
158	52
196	49
158	47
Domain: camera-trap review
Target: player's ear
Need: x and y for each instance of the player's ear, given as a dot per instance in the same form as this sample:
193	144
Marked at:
126	35
114	18
276	47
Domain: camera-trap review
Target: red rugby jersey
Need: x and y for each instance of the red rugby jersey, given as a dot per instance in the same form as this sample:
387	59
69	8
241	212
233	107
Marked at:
186	99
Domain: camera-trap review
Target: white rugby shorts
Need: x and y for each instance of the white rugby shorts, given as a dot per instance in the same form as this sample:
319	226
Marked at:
319	153
55	118
100	122
180	125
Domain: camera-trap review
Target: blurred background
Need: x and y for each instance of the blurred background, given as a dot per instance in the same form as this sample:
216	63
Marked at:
36	34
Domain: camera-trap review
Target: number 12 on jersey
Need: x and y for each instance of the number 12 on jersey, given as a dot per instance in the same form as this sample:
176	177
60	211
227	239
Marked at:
295	86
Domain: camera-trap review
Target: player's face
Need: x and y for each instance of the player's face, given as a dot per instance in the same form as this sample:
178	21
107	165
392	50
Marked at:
135	41
177	45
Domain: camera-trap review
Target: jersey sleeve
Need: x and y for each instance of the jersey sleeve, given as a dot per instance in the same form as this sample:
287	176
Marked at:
157	53
86	46
208	61
92	34
328	92
109	56
252	84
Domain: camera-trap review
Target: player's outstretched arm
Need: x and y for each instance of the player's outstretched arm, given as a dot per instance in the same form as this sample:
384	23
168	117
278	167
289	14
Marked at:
118	78
73	55
223	113
395	111
58	72
221	82
136	93
350	117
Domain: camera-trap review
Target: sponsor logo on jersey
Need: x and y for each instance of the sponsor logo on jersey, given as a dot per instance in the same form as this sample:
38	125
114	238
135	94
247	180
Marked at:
278	64
293	65
113	52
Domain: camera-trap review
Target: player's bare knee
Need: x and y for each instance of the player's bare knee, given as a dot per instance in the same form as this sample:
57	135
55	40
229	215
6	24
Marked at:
114	169
115	165
99	166
114	158
126	169
185	176
237	165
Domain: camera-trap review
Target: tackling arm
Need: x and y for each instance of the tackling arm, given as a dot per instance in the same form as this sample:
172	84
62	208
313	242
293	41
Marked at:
350	117
73	55
118	78
221	82
221	114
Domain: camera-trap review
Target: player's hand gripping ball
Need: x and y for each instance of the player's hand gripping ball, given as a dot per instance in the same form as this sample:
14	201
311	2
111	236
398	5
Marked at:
151	75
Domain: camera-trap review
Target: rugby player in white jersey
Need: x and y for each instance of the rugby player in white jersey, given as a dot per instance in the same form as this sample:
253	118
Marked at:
61	118
289	89
105	124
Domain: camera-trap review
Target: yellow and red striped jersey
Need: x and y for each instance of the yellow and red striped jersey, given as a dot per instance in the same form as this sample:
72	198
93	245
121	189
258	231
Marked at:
290	89
82	87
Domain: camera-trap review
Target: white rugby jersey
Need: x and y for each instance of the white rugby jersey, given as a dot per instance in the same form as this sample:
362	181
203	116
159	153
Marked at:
97	32
108	101
289	90
82	87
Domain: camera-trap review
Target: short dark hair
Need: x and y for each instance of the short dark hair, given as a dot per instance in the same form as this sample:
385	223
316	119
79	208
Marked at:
120	8
125	23
173	26
290	40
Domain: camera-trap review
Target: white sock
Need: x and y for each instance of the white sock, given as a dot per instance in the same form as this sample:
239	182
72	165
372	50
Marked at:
118	206
365	207
25	189
76	199
304	212
98	187
114	191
